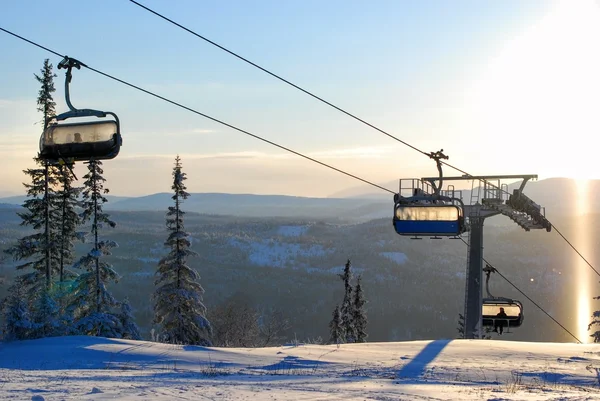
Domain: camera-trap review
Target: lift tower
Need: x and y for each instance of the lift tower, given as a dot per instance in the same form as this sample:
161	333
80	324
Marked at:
486	199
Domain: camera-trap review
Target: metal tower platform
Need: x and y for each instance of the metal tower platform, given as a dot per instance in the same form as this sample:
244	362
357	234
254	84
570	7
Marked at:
488	197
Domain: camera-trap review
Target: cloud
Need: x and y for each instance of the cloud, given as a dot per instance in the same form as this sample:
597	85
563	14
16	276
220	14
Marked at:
194	131
365	152
192	156
368	152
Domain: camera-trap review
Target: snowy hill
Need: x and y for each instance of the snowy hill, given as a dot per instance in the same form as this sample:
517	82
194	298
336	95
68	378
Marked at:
90	368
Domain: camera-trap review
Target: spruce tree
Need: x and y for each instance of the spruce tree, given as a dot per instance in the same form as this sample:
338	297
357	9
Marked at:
347	310
336	334
595	323
45	101
130	329
39	250
46	315
68	201
359	313
91	303
18	322
178	309
47	106
461	326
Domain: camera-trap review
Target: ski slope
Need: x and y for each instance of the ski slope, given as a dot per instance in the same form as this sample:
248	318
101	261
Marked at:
91	368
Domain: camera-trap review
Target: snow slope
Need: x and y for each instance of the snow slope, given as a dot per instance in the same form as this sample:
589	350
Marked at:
89	368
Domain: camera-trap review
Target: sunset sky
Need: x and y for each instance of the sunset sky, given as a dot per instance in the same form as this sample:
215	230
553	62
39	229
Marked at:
504	87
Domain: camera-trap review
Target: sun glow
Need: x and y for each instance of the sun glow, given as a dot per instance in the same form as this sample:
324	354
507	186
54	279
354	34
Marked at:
536	102
584	314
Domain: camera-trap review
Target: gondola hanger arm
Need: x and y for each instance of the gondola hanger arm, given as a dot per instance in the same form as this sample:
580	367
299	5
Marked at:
69	63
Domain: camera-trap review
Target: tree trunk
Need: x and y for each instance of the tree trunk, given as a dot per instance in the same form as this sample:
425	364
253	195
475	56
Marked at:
94	179
47	227
62	240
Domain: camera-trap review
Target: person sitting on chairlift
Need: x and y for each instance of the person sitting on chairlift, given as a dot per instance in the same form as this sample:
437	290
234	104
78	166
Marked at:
499	323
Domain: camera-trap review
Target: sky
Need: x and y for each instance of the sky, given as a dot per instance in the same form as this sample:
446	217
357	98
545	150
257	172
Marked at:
505	87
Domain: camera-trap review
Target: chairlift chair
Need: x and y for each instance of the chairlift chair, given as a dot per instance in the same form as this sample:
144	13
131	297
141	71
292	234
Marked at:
490	307
512	308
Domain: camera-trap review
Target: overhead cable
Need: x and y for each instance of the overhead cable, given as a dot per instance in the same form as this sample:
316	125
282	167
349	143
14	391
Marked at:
526	296
250	134
206	115
329	104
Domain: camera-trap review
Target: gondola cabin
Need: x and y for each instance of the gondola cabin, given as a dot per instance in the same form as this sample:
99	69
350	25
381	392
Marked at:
491	308
97	140
428	219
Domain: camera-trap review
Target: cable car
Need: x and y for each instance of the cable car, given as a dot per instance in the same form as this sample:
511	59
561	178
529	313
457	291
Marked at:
97	140
491	308
432	214
80	141
428	219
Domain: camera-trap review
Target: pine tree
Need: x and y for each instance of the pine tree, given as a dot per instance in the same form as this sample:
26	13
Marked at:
347	310
45	101
40	250
47	106
91	303
178	308
336	334
68	201
595	322
46	315
18	322
130	329
359	314
461	326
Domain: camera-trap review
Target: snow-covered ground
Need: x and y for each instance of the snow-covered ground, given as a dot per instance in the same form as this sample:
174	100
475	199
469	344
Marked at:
88	368
397	257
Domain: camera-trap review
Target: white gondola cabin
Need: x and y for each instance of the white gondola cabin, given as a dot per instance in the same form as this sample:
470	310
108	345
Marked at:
97	140
66	143
428	219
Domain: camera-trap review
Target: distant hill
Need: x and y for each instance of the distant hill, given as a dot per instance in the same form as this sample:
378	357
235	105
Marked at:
559	196
257	205
249	205
19	199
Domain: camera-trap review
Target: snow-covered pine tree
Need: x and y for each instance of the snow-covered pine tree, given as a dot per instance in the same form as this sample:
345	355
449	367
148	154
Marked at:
359	313
131	330
40	250
336	334
178	309
46	315
91	303
18	322
347	310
